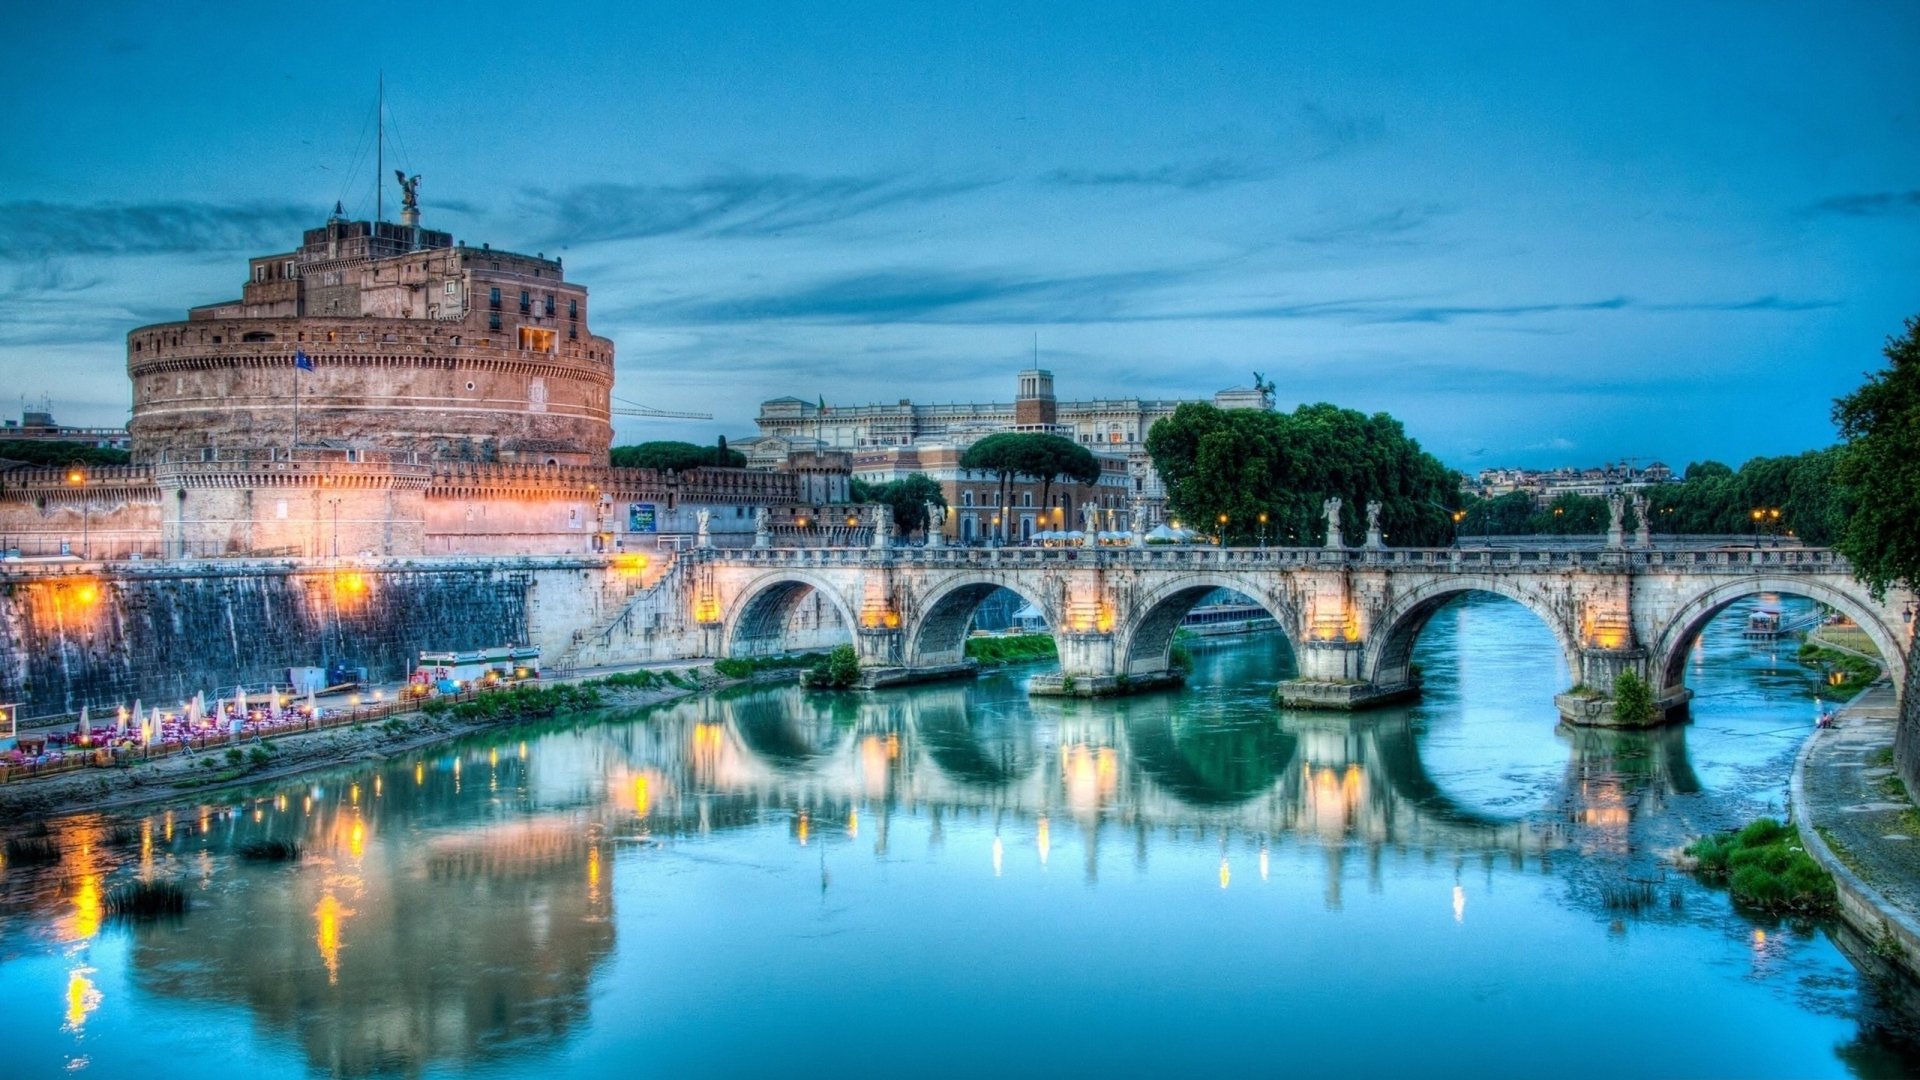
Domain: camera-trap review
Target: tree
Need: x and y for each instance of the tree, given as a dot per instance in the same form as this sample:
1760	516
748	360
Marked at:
1044	459
677	456
1879	469
52	454
1241	463
907	498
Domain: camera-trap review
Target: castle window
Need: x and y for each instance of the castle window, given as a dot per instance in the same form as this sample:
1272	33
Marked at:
287	270
573	309
493	300
549	305
535	340
573	333
493	321
526	302
259	274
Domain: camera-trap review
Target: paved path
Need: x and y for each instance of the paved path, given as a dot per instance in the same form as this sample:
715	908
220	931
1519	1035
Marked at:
1856	818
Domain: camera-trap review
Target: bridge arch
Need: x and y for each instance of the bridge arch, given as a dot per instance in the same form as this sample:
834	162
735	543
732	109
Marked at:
756	622
1389	656
1146	641
939	634
1676	638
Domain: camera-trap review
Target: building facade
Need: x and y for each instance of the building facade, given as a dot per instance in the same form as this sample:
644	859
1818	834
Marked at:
1114	427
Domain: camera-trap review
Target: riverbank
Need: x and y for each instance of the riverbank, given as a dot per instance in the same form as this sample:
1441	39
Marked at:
1858	820
186	776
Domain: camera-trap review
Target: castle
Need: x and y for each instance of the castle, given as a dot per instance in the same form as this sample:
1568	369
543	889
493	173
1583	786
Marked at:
383	390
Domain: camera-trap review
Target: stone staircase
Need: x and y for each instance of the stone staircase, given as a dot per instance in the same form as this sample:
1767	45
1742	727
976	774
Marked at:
602	631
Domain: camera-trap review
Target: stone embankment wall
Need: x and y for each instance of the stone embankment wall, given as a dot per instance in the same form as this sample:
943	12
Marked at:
1906	738
105	640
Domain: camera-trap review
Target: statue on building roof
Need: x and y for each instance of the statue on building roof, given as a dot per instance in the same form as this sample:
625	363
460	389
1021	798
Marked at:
409	190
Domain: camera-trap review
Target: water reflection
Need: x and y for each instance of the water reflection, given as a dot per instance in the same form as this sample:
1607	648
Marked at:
460	905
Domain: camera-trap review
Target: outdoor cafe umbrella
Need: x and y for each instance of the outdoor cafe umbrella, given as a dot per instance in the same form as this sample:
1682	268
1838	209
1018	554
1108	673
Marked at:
240	701
120	724
86	730
310	708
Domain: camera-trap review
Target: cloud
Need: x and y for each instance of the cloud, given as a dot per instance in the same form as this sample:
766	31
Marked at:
935	296
41	230
1870	204
738	204
1379	228
1197	176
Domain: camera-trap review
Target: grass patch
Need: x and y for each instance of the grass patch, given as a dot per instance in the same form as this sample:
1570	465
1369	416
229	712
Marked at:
1012	649
1765	867
147	900
32	851
1846	674
744	667
270	851
1180	656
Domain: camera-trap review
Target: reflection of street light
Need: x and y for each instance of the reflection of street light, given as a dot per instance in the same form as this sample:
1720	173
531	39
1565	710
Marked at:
77	477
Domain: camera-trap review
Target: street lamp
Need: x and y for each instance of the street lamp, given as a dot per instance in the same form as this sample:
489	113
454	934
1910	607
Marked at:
1223	531
77	477
334	502
1263	529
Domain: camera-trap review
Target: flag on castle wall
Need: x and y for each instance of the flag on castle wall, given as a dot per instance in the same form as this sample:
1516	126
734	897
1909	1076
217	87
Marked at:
301	360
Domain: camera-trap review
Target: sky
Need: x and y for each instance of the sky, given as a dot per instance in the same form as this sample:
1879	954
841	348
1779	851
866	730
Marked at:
1539	234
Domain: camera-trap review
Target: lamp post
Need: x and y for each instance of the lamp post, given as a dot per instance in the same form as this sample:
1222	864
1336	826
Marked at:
1263	529
334	503
1222	537
77	477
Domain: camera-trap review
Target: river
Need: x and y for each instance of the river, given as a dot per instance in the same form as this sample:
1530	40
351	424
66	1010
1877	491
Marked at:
956	880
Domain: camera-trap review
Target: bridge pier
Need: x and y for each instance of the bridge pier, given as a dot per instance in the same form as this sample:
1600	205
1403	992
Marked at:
1590	702
1091	666
1332	676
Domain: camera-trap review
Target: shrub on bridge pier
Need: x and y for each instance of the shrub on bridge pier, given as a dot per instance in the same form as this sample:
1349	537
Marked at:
837	670
1633	703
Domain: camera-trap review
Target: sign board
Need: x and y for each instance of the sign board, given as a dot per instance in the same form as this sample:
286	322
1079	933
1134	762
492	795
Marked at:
641	518
9	719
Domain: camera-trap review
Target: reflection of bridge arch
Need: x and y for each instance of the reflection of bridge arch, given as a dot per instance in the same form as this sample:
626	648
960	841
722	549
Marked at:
772	728
1146	644
1392	641
939	634
756	623
1676	638
1211	765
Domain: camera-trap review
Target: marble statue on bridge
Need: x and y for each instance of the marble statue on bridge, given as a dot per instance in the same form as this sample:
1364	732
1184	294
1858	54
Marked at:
1642	525
1616	521
762	528
1331	508
704	538
882	526
936	525
1374	541
1137	523
1090	524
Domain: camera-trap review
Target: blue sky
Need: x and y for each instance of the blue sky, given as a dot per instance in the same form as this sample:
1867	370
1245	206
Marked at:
1539	234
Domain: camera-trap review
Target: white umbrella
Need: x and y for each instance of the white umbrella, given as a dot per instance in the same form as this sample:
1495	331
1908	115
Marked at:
273	707
240	700
310	707
120	723
86	729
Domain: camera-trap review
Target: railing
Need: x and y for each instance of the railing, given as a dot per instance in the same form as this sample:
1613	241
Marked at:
114	757
1194	555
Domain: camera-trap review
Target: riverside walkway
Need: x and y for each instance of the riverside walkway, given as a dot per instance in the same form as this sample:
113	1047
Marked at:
1858	820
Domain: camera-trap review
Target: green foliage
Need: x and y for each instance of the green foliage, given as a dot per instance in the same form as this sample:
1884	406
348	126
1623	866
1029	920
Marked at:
1633	703
1245	462
837	670
1765	867
1714	499
1180	657
744	667
678	456
235	755
1879	468
1044	459
54	455
1854	673
270	851
631	680
259	757
907	498
1012	649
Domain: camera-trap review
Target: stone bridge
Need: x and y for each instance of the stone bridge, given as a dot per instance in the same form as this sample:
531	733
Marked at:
1351	615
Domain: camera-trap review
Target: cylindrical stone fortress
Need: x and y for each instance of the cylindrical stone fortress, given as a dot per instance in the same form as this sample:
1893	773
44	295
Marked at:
412	344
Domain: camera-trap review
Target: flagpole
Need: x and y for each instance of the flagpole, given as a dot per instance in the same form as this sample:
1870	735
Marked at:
295	444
